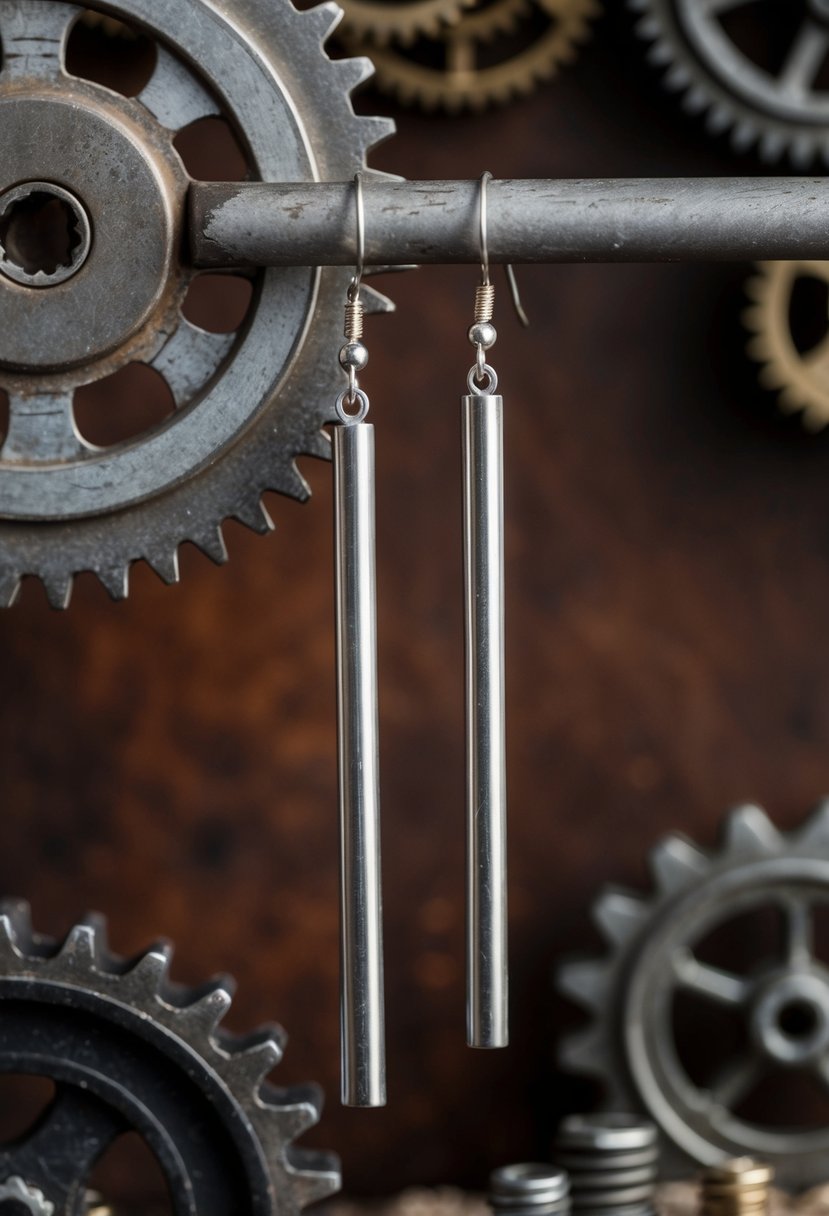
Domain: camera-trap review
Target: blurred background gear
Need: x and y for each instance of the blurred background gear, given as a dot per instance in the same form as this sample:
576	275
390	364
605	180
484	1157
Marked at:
401	21
131	1052
788	318
711	1012
756	69
612	1160
494	52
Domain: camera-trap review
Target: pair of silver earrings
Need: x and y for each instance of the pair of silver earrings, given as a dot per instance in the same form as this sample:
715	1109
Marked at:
362	1017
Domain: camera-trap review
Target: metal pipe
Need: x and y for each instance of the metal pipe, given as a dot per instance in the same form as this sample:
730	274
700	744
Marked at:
486	885
628	220
362	1017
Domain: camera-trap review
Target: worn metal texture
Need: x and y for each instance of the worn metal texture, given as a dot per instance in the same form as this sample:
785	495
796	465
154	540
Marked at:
129	1051
657	220
257	398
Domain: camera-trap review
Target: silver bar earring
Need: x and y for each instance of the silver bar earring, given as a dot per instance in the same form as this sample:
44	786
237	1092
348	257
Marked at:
362	1016
486	809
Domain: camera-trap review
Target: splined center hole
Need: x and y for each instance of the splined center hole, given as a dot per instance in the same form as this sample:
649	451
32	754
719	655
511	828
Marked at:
40	233
798	1019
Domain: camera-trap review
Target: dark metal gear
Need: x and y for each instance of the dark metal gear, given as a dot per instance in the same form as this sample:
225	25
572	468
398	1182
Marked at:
130	1051
246	403
770	998
728	59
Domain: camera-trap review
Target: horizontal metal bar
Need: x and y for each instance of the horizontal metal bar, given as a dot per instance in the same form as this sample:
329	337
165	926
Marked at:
627	220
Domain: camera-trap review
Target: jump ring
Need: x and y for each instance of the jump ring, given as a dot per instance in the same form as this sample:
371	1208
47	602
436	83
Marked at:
473	380
352	419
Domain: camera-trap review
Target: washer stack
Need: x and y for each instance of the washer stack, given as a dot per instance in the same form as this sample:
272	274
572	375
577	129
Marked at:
739	1187
612	1160
529	1190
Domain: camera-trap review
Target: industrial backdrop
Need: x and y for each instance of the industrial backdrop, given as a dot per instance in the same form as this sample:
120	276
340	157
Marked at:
170	761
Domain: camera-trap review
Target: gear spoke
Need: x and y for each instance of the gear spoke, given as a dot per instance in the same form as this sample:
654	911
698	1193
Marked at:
83	1127
803	61
720	986
190	358
42	430
799	943
174	95
734	1082
33	36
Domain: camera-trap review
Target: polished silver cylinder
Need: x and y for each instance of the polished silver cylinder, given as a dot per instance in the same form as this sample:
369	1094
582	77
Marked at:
483	459
362	1015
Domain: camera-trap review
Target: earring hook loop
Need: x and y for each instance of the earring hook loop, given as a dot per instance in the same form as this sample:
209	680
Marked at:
486	178
354	289
483	229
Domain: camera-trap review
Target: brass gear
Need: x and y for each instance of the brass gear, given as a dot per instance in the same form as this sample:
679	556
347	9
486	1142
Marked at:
800	377
450	73
380	22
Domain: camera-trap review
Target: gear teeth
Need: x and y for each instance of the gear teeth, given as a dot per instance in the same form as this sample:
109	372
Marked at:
203	1016
815	831
676	863
116	581
325	18
149	971
374	302
619	916
166	566
583	1052
59	590
296	1109
247	1068
9	589
212	544
320	446
254	515
295	485
16	931
80	948
586	982
355	71
316	1175
750	833
377	130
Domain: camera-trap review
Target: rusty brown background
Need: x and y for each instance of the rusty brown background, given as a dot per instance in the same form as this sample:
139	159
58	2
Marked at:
170	761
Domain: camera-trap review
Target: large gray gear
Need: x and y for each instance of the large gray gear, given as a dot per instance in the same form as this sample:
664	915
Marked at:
782	112
247	404
780	1005
129	1051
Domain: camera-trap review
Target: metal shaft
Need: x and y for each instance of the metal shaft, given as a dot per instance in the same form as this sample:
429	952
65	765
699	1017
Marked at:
627	220
362	1015
487	1015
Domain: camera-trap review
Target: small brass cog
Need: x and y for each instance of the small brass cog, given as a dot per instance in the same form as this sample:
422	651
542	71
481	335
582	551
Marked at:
380	22
800	377
464	69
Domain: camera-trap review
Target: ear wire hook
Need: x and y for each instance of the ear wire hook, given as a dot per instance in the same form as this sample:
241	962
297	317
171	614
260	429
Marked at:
354	289
486	178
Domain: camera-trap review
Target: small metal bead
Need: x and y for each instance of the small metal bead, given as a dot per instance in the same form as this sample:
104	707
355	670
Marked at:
354	355
483	334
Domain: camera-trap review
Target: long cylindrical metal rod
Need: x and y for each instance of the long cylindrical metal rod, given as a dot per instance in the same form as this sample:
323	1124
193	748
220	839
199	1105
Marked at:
627	220
362	1016
486	793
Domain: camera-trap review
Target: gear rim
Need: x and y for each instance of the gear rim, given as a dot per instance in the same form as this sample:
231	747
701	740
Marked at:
77	984
629	1044
289	53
